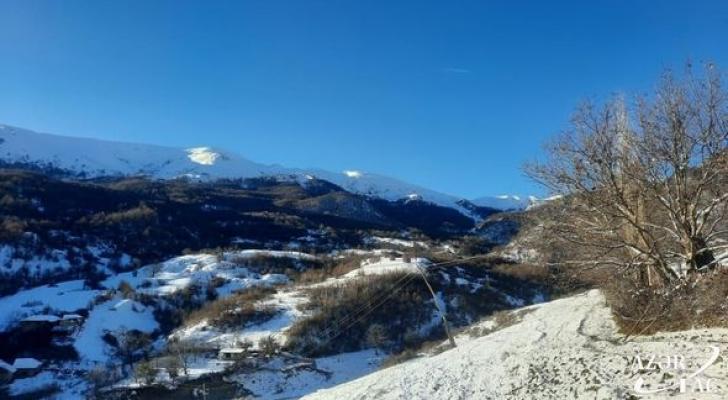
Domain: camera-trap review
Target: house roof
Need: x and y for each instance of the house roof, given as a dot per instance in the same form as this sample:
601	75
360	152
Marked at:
232	350
26	363
41	318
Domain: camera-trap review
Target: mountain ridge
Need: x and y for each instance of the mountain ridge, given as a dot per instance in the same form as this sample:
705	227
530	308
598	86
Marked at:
90	157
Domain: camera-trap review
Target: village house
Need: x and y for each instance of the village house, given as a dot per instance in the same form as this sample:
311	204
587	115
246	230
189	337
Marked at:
240	356
40	321
26	367
231	354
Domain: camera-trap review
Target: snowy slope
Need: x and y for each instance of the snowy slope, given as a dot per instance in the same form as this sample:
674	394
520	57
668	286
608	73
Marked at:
98	157
505	202
59	298
566	349
199	269
94	157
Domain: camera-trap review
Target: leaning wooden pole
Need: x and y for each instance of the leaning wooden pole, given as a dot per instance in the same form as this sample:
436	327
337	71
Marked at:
437	304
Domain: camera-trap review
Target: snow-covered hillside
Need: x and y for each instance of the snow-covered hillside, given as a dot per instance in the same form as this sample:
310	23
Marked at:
92	157
505	202
565	349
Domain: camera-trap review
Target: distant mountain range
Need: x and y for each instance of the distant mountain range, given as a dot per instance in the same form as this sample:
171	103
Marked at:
86	157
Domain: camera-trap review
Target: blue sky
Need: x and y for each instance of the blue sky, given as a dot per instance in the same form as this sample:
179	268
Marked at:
450	95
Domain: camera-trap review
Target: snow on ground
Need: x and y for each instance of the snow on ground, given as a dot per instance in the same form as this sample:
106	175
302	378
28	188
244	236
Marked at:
274	381
504	202
398	242
388	266
117	315
51	261
360	252
180	272
70	386
61	297
287	303
567	348
31	384
25	259
113	316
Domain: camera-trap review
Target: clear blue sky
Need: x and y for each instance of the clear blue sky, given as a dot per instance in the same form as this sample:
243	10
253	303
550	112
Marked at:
453	95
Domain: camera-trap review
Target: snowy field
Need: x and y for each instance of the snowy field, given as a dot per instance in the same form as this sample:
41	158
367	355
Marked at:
275	380
286	302
200	269
565	349
62	297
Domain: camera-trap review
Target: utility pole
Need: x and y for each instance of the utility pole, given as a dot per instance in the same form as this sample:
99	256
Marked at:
434	297
200	392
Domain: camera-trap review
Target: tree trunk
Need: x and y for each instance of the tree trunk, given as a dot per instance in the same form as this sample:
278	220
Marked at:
702	255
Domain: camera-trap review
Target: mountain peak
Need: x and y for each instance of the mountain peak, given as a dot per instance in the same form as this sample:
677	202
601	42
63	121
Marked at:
354	174
203	155
95	158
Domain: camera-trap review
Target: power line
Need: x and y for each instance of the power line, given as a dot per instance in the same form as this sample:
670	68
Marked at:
401	283
361	308
360	318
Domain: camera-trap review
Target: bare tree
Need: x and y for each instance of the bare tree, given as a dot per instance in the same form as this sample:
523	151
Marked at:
97	378
182	350
145	371
645	186
377	337
132	345
269	346
172	366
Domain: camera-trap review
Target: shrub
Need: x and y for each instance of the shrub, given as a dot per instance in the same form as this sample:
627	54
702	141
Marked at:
331	267
127	291
236	310
345	312
98	377
406	355
269	346
377	336
144	371
698	302
173	365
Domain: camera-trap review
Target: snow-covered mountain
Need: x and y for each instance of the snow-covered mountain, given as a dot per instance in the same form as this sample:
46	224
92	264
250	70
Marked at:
94	158
505	202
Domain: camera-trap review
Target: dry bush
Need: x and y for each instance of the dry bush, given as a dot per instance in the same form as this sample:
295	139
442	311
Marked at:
399	358
331	268
347	264
137	215
558	279
699	302
244	315
343	313
531	272
235	310
269	346
12	228
265	264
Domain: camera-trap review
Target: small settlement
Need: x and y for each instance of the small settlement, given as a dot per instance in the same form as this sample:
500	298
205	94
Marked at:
60	328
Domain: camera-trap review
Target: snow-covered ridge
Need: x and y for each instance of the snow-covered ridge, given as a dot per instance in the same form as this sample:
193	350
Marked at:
93	158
